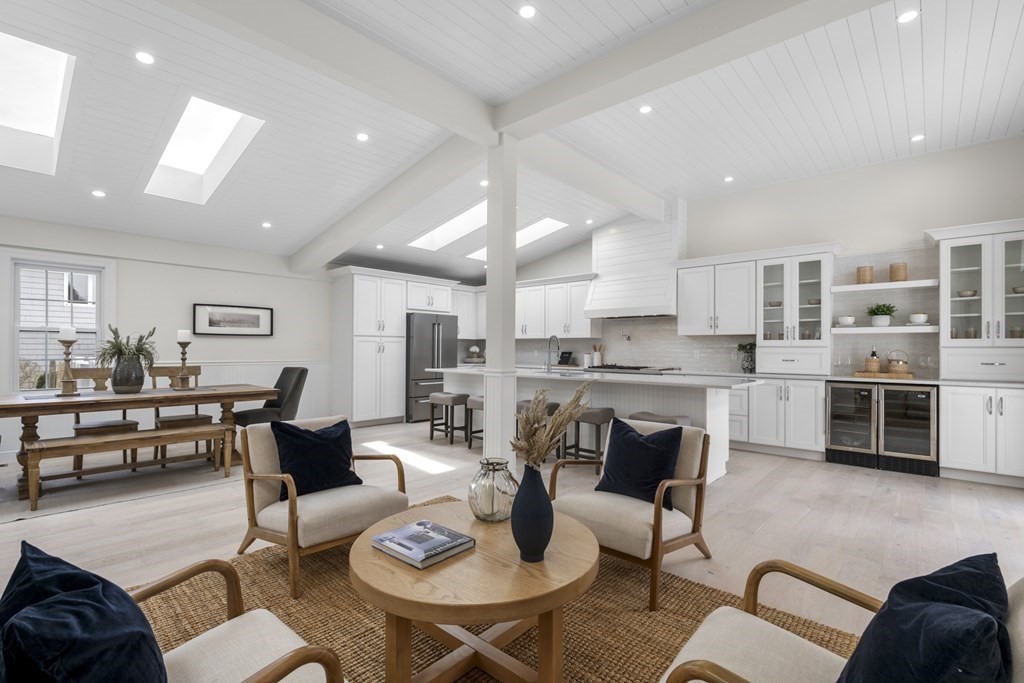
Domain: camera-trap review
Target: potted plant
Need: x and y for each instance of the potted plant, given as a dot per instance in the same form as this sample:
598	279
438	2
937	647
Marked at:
532	515
747	361
881	314
131	360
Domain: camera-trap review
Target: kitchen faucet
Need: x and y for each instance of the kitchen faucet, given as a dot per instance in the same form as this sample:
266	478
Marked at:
558	349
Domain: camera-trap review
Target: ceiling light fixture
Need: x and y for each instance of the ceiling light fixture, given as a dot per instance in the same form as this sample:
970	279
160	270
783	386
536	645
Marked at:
267	226
362	137
729	179
99	193
590	221
908	16
527	11
917	138
485	182
380	246
646	109
145	58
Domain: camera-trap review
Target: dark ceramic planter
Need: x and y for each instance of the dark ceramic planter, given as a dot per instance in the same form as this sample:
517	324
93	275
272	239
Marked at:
533	518
747	363
127	376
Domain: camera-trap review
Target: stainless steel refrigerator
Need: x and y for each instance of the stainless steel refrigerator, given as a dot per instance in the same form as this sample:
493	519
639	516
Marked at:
431	342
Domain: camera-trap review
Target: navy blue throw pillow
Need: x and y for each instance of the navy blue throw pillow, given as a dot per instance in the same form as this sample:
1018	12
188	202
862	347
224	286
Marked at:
62	623
945	627
317	460
636	464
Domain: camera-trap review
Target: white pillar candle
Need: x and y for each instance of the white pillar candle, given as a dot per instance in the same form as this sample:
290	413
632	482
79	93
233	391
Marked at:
184	336
67	334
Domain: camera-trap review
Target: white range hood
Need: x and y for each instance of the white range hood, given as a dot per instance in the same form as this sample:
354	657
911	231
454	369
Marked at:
636	271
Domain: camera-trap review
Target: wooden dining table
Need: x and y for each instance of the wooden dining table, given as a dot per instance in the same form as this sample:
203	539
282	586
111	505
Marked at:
31	406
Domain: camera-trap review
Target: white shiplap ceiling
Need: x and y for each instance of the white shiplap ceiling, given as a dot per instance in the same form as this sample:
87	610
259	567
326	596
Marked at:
848	94
303	171
492	52
539	196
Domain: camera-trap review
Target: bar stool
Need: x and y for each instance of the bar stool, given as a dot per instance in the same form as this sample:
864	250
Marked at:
524	405
473	403
681	420
447	401
591	416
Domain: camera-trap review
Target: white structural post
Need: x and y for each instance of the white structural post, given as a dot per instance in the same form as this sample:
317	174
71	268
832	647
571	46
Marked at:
500	373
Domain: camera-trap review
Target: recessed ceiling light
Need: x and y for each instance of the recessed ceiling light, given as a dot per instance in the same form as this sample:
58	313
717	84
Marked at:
527	11
144	57
917	138
362	137
473	218
380	246
590	221
907	16
485	265
531	233
99	193
646	109
267	225
485	182
729	179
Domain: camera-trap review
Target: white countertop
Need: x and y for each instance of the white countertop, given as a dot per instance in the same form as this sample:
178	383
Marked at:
675	380
928	381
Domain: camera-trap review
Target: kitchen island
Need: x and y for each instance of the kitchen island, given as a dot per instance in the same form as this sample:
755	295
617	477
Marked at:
704	398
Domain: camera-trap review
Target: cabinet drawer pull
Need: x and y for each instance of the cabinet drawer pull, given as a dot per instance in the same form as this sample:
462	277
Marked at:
989	405
787	393
710	324
1001	405
789	360
988	329
993	363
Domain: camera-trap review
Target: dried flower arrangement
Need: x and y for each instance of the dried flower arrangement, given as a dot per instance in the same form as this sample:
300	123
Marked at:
539	435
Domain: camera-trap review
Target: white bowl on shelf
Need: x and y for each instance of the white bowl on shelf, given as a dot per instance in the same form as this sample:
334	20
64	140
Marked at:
918	318
846	319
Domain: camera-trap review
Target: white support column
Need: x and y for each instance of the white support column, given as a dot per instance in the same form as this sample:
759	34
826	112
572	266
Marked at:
500	373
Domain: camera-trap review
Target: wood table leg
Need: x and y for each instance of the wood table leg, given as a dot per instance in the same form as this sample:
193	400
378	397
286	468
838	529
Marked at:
33	481
549	646
398	636
29	432
227	418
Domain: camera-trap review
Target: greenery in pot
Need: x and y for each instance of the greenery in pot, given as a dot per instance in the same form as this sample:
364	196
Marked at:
749	347
116	349
881	309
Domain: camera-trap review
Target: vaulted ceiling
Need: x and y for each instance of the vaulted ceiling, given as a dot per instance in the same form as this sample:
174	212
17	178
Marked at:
762	92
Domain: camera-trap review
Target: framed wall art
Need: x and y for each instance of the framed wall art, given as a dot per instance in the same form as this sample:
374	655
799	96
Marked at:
239	321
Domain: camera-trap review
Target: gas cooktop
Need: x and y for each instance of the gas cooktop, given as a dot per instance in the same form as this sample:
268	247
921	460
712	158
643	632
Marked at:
628	369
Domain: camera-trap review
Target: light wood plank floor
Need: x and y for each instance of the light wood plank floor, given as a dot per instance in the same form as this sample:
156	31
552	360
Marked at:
866	528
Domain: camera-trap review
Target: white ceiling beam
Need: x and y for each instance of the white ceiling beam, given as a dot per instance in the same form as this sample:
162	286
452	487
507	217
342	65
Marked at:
557	160
450	161
718	34
301	34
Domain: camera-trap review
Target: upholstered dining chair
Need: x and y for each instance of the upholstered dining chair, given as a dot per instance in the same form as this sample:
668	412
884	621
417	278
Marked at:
638	531
193	419
281	409
315	521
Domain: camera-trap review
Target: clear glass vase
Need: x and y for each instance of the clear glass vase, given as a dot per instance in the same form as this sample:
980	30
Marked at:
492	491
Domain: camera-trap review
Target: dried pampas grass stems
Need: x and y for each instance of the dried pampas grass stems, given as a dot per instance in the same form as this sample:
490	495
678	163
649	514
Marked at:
538	435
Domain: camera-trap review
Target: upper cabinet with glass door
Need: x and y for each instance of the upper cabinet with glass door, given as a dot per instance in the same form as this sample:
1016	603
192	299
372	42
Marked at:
793	307
983	290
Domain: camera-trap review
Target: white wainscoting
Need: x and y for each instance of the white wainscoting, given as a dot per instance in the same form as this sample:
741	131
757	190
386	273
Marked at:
315	398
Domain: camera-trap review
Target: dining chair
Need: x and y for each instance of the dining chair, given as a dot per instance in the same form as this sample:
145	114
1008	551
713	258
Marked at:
192	419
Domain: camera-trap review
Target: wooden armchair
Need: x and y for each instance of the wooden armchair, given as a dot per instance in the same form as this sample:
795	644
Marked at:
316	521
255	647
193	419
639	531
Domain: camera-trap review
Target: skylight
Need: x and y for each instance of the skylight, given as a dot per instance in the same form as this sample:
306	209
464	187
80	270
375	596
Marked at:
531	233
35	81
466	222
205	145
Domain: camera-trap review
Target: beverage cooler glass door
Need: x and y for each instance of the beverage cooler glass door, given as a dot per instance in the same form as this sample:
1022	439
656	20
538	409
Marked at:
907	422
851	417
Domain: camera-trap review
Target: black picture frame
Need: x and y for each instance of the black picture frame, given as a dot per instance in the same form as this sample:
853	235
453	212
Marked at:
224	320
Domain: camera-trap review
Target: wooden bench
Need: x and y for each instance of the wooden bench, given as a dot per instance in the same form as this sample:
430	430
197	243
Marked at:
42	449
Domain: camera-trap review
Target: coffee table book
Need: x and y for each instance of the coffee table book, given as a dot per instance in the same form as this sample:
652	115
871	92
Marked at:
422	543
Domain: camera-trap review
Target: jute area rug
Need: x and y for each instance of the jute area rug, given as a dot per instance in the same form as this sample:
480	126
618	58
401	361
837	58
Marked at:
609	633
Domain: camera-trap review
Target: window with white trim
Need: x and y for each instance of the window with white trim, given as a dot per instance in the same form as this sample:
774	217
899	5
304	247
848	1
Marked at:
47	298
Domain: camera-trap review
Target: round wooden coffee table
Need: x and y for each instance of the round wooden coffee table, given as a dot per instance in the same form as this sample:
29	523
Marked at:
487	584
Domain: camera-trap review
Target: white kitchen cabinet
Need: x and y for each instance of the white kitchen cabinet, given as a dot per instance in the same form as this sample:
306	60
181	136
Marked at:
378	389
794	301
378	306
464	307
738	415
788	413
530	312
716	299
424	296
481	315
968	428
1010	432
563	311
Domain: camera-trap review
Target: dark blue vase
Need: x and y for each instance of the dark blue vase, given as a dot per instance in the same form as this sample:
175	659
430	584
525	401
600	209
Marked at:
532	517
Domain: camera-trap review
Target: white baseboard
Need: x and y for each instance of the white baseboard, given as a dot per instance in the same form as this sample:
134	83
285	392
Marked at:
777	450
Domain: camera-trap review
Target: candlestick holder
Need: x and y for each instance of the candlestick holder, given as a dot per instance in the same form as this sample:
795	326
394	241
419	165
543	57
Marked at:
183	383
68	384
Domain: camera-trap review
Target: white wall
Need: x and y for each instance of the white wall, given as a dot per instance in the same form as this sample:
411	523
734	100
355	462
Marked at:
569	261
869	209
157	283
